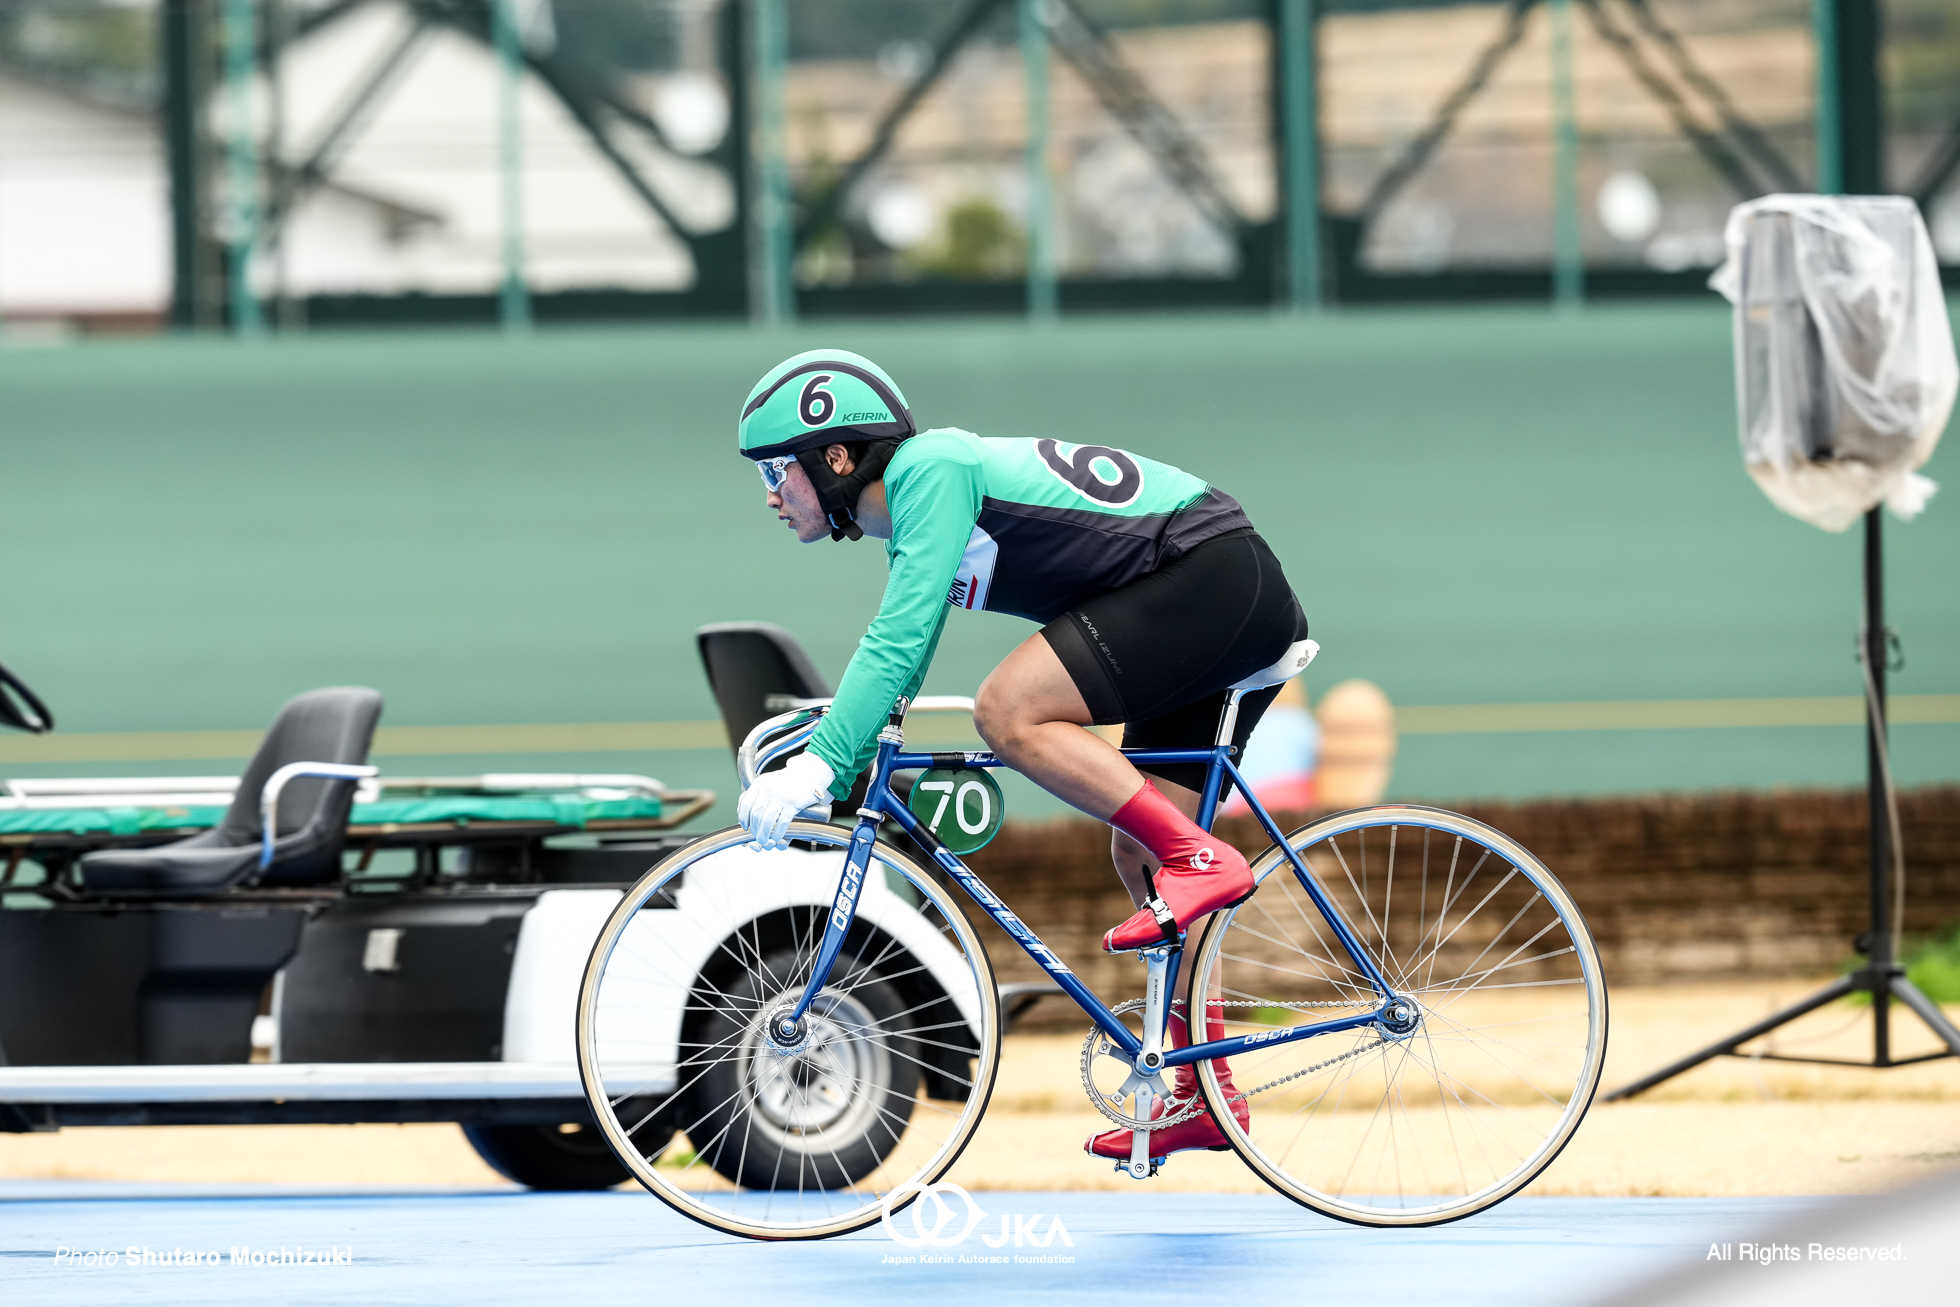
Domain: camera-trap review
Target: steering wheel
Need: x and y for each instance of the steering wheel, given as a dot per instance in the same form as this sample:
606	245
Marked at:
20	707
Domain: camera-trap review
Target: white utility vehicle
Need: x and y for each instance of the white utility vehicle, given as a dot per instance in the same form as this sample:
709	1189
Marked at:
395	949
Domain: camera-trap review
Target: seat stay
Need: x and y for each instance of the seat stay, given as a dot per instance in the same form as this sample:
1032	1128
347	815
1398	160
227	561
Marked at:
1336	921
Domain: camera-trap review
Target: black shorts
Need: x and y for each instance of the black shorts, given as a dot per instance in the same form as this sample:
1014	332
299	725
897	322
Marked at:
1161	653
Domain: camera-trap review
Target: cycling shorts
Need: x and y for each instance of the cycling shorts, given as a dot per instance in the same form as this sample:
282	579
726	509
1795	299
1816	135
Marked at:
1160	653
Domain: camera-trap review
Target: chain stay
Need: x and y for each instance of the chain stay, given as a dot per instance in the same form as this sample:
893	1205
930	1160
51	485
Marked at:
1097	1045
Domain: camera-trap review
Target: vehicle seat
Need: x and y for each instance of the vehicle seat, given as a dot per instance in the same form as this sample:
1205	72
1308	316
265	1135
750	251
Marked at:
331	725
747	662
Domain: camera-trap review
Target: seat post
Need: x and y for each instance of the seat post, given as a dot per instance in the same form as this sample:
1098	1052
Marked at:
1228	720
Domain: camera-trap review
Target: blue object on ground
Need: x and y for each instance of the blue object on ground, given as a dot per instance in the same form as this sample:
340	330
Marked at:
510	1246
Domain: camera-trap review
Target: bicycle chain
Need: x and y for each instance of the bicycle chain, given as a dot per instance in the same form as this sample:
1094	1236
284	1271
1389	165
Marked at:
1097	1045
1244	1094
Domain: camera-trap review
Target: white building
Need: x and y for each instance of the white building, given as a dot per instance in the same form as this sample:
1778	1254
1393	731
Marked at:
413	201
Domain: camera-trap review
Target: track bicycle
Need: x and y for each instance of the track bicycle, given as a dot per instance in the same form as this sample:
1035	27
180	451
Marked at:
1411	1000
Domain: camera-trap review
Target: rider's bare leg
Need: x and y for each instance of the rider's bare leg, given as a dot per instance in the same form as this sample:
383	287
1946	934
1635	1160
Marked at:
1030	713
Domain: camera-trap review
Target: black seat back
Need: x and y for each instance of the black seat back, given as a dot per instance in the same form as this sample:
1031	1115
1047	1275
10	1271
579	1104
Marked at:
19	707
331	725
747	662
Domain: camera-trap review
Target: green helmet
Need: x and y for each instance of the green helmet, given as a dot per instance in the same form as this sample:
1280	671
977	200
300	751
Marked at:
823	397
827	397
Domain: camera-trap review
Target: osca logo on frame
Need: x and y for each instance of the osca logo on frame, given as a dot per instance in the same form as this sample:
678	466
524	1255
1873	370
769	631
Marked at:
945	1215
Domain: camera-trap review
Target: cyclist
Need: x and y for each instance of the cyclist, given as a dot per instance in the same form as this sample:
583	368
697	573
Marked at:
1154	593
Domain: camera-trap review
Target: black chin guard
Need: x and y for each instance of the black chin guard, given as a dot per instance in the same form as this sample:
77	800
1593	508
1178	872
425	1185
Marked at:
838	495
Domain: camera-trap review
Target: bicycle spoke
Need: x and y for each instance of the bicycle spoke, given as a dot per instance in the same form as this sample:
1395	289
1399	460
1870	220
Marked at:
1437	1110
805	1139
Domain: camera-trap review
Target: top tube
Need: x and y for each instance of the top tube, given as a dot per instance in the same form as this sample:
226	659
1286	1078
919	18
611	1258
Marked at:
986	758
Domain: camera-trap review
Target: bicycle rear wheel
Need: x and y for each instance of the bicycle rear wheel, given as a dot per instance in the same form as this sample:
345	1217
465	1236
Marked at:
786	1141
1439	1118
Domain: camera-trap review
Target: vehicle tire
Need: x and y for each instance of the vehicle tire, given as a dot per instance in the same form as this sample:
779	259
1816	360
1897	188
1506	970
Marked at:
876	1097
560	1157
1455	1101
826	1118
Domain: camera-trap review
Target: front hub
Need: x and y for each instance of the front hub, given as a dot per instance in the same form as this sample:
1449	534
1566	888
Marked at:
783	1031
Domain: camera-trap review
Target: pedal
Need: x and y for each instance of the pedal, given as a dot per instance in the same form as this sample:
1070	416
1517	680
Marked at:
1129	1169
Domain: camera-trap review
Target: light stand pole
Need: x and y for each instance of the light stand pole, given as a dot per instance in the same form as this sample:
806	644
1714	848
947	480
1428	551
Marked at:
1883	977
1880	946
1848	155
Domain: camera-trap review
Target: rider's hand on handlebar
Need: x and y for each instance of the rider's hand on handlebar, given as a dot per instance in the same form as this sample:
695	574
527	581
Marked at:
776	798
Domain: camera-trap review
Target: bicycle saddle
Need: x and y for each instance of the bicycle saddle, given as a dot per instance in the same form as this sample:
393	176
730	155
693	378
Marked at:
1290	664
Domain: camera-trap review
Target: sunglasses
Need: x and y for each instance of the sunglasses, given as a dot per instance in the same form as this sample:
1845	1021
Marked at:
774	471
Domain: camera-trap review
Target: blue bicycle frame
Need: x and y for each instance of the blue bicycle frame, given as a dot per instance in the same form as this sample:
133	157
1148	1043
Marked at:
880	803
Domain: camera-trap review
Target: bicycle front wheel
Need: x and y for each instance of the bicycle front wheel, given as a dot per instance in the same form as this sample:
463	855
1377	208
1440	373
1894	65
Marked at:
739	1130
1471	1094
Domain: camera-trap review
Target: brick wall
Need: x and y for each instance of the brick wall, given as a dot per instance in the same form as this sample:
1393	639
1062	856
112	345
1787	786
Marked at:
1676	888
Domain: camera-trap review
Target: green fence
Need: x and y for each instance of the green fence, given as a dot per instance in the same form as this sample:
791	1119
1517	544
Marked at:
1478	507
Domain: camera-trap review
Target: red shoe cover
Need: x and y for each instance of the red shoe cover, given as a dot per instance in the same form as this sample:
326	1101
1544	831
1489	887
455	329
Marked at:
1200	1131
1199	873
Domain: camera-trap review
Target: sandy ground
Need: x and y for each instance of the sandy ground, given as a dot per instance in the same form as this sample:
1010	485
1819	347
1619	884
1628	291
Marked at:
1729	1128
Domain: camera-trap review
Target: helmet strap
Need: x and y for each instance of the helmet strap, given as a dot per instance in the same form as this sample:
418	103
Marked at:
838	495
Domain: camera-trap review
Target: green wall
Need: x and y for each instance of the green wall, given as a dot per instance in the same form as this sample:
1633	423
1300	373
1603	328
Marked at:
1476	506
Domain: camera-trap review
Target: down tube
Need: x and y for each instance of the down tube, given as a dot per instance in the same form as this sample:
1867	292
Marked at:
1016	929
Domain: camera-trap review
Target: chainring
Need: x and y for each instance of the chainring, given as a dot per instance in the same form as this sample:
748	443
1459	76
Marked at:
1099	1045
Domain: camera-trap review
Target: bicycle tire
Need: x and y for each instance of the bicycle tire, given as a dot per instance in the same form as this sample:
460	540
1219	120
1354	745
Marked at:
1385	1127
881	1097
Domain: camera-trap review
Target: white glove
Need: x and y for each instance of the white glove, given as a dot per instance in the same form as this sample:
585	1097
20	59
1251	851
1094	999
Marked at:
776	798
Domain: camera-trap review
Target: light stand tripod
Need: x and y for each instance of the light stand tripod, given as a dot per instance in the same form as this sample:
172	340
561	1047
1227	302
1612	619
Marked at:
1883	977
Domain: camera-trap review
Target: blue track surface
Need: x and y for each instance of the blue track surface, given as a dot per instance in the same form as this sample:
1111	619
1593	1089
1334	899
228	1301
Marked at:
495	1247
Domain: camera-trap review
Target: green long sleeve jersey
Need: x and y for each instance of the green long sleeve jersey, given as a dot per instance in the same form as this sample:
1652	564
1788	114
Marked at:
1028	527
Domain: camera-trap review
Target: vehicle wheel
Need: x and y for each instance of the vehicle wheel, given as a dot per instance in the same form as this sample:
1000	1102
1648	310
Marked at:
824	1116
877	1096
1459	1099
553	1156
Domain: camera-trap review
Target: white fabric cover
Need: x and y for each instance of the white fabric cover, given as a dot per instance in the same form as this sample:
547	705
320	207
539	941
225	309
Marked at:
1845	371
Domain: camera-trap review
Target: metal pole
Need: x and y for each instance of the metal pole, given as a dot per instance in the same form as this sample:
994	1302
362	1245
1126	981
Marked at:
1300	96
776	235
278	31
241	58
1830	117
514	304
1850	109
1568	259
184	52
1878	812
1041	234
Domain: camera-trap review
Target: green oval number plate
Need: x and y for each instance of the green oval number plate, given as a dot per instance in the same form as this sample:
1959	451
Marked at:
962	806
